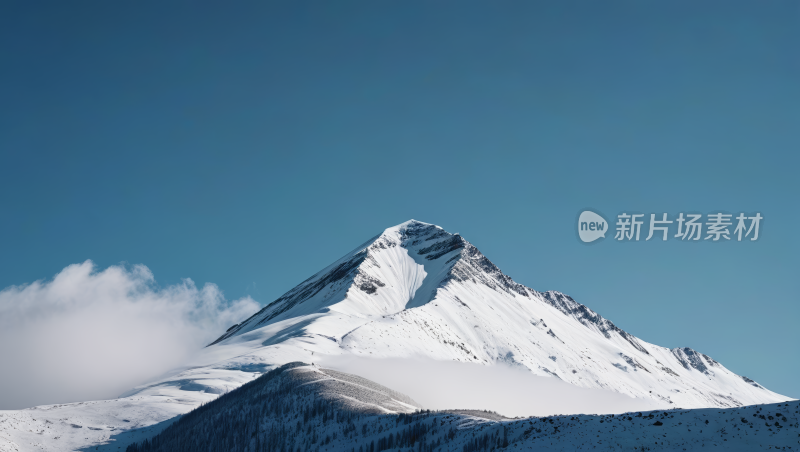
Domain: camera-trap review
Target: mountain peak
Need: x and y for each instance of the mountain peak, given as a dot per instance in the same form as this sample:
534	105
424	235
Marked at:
401	268
411	228
412	223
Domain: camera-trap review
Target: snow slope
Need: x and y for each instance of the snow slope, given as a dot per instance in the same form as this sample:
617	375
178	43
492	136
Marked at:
415	293
114	423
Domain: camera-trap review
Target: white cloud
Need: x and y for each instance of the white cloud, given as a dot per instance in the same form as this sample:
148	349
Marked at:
89	334
440	385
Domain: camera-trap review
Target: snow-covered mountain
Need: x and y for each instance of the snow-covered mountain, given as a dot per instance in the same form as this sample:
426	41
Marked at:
415	295
417	290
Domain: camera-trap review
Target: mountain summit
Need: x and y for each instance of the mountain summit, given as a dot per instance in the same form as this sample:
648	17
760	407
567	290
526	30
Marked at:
418	290
404	267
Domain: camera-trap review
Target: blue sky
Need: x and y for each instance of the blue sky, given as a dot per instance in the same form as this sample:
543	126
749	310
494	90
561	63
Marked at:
251	145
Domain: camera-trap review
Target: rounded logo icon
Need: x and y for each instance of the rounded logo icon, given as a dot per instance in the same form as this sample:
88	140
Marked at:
591	226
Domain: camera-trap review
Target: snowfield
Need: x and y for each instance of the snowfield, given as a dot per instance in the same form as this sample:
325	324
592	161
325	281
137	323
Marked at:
419	298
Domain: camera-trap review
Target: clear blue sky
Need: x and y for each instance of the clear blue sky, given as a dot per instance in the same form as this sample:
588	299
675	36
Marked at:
250	145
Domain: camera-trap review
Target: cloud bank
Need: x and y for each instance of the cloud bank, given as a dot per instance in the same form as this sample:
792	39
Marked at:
89	334
440	385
